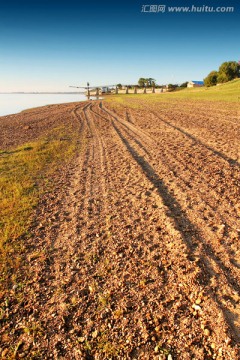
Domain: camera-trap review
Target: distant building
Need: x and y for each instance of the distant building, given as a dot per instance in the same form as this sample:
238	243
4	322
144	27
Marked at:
194	83
105	89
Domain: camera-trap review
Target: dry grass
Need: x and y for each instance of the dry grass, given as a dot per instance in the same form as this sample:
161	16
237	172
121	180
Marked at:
25	175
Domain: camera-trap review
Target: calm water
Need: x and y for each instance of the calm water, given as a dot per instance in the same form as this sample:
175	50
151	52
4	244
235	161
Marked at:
14	103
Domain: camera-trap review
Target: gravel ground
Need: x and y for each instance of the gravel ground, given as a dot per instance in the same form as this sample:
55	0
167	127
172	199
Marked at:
135	253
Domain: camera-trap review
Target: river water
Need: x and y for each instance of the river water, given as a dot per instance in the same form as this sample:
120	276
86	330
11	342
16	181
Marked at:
14	103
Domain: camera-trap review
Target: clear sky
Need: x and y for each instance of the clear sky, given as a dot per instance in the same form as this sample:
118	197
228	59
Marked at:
50	44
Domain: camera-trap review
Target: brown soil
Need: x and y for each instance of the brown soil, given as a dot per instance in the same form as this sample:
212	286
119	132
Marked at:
136	251
29	125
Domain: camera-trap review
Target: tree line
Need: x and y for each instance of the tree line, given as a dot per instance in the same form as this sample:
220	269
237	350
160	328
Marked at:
146	82
228	71
150	82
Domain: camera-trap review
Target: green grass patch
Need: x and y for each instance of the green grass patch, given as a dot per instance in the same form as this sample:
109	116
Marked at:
229	92
224	92
25	174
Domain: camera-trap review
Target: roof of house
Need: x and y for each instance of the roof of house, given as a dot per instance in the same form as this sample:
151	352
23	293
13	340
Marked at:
197	82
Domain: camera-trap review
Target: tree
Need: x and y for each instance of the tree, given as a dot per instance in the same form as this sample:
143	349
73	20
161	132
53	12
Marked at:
142	82
171	87
222	78
229	70
119	86
151	82
184	84
211	79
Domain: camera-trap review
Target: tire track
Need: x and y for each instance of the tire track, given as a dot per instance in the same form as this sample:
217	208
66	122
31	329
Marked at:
77	241
230	161
209	260
178	165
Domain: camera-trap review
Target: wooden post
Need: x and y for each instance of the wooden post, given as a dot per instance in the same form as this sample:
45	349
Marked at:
88	92
116	91
145	90
153	89
97	91
127	90
135	90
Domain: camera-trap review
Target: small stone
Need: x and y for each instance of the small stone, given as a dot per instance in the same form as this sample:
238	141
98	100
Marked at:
95	334
22	356
196	307
198	301
156	349
4	353
81	339
206	332
227	341
169	357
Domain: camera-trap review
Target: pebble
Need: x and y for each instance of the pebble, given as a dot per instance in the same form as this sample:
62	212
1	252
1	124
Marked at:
227	341
22	356
4	353
94	334
206	332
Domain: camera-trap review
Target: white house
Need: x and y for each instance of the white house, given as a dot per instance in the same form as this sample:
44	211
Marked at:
194	83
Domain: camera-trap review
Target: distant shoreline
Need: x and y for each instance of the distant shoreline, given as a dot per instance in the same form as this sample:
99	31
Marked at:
37	93
13	103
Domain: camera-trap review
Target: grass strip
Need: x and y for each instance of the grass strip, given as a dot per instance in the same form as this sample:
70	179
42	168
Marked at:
25	174
228	92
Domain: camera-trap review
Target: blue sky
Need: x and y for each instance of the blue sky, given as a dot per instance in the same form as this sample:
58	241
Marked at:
48	45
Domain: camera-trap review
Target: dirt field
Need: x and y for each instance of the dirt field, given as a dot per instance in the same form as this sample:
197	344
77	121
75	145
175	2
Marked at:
135	254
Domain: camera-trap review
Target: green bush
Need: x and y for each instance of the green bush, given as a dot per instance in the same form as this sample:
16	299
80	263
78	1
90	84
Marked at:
229	70
211	79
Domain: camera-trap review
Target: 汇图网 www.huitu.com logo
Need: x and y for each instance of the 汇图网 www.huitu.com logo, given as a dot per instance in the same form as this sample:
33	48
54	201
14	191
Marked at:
186	9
